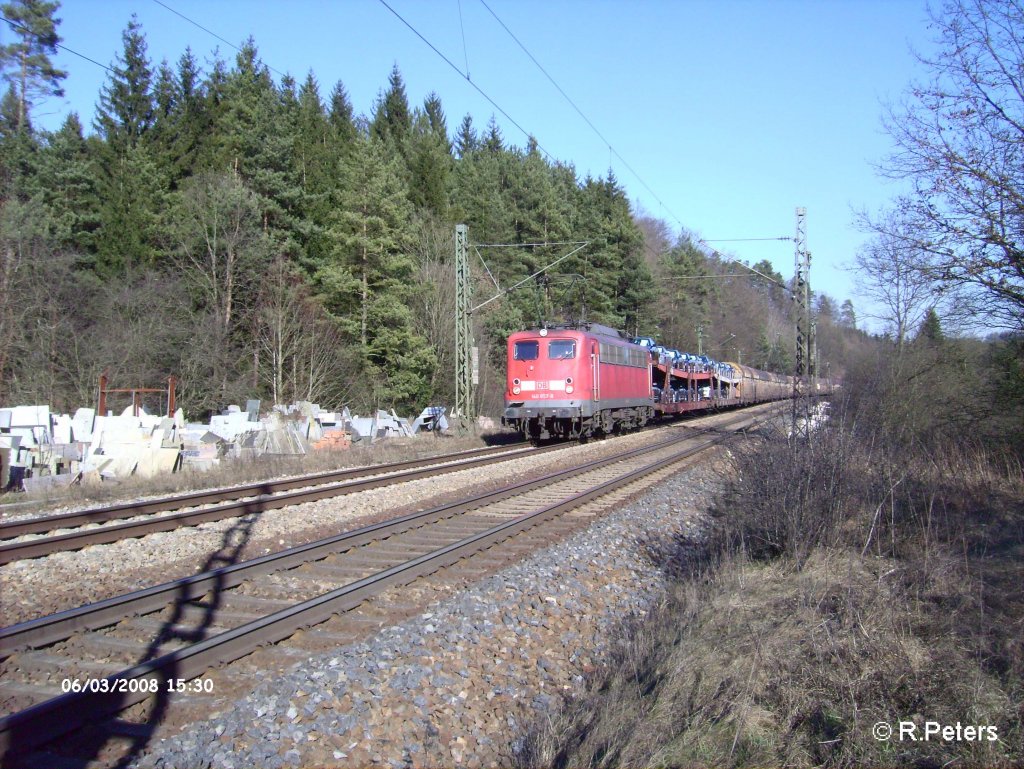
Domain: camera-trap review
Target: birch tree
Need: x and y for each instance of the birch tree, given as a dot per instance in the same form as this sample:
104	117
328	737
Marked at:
959	138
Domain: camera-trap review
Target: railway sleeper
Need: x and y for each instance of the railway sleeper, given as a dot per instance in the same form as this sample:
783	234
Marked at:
176	635
192	613
47	662
258	603
429	543
398	548
18	696
110	646
316	635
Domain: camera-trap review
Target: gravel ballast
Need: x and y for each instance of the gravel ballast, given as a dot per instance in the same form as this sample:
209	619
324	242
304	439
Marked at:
460	683
40	586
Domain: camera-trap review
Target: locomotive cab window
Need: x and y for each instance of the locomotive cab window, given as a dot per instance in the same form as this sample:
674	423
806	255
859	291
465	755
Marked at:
526	350
561	349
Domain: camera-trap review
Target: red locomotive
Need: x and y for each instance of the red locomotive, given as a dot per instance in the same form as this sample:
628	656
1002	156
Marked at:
576	382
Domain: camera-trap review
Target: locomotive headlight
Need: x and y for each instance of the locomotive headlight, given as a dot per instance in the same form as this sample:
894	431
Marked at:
516	390
568	380
516	381
569	389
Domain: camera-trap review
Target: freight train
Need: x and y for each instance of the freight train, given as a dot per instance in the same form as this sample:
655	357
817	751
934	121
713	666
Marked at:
575	382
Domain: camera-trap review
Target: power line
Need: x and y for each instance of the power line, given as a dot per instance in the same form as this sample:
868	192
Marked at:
212	33
465	51
556	85
743	240
532	245
611	149
62	47
703	277
465	75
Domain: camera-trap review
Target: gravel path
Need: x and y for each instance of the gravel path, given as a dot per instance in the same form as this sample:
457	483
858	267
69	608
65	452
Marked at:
461	683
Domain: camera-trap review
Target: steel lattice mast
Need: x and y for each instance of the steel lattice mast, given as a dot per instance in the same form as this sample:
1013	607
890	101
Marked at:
464	401
801	295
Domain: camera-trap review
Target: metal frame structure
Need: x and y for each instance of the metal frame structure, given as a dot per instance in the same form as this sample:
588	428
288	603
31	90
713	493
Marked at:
136	393
801	295
465	406
467	363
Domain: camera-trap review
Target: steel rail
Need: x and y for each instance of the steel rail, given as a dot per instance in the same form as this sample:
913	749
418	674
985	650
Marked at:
47	523
47	720
36	548
56	627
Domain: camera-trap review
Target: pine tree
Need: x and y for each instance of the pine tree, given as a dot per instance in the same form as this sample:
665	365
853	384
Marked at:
256	134
315	156
465	139
436	119
17	150
930	333
369	230
478	197
190	121
689	300
493	140
67	186
132	190
341	117
430	158
538	214
366	280
847	315
26	64
125	112
616	276
130	181
392	120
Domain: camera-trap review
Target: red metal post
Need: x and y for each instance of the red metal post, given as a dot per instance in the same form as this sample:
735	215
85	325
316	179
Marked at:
102	409
172	383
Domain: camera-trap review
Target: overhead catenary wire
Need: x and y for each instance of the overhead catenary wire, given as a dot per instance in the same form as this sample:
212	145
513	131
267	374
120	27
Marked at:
416	32
744	240
607	143
616	153
195	23
478	246
582	244
465	75
532	245
21	26
465	51
497	106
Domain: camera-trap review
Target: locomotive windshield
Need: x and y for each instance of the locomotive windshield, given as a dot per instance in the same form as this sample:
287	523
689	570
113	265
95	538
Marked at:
561	349
526	350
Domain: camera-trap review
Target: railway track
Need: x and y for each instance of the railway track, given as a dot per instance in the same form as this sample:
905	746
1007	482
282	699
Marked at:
177	631
217	504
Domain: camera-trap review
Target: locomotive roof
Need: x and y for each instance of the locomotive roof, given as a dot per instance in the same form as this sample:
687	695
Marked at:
593	328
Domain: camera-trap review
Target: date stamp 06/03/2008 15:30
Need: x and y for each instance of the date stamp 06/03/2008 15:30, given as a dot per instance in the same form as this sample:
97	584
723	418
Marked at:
135	685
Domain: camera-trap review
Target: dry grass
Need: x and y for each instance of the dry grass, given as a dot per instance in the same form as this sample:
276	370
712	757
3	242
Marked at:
844	585
765	665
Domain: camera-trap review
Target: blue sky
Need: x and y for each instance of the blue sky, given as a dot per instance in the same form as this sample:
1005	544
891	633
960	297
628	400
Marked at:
732	112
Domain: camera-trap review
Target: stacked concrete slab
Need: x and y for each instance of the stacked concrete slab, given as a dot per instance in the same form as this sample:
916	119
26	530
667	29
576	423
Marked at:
40	449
